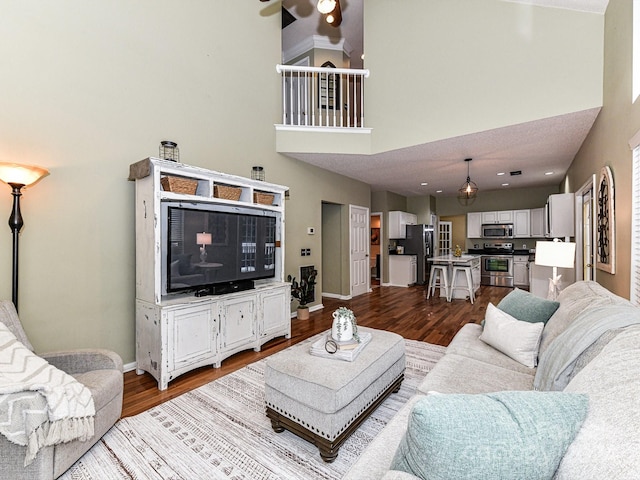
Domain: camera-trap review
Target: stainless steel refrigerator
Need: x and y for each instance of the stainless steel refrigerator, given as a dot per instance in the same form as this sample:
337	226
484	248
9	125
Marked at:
420	241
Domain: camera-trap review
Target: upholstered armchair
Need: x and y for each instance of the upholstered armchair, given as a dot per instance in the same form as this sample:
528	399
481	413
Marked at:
98	370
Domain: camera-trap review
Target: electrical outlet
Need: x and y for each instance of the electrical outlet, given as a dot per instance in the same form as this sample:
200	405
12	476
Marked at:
308	251
303	252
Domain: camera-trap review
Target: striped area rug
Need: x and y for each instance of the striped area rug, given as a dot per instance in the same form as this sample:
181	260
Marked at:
220	431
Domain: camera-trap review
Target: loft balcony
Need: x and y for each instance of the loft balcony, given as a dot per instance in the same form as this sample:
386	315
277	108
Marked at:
322	110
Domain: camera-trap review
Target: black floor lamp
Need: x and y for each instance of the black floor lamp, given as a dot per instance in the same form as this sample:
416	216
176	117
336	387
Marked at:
17	177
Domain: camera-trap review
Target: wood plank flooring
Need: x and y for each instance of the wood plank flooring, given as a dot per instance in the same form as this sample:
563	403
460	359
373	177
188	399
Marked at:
405	311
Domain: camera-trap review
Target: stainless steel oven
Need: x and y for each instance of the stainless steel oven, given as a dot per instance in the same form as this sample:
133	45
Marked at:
497	270
490	230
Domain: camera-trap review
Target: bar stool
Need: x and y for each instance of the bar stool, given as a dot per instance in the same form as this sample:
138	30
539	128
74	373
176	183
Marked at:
438	281
468	286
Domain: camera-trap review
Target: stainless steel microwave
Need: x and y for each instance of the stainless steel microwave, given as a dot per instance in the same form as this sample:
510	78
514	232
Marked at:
492	230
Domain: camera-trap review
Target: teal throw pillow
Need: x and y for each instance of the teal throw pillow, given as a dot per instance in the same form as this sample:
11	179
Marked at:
527	307
514	435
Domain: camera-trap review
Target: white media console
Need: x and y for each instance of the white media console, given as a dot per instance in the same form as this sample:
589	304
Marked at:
177	332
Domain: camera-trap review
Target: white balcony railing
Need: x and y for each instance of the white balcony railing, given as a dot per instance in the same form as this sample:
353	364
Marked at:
322	97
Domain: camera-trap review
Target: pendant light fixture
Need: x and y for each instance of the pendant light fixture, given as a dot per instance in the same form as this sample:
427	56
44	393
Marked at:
469	190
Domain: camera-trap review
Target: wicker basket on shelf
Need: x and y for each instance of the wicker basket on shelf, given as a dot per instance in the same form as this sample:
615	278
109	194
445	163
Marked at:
263	198
226	192
179	185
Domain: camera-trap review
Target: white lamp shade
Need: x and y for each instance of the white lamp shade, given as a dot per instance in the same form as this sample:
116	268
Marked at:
326	6
203	238
21	174
556	254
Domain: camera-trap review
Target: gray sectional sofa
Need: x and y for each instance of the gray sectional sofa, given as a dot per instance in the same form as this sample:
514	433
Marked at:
590	346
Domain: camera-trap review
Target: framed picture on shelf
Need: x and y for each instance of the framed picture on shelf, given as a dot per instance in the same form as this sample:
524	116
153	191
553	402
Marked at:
606	231
375	236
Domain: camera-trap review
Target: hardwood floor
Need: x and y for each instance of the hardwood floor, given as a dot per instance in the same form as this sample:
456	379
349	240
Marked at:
402	310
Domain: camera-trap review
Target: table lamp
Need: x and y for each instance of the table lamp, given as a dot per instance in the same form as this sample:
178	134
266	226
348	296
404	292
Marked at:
203	239
18	176
556	254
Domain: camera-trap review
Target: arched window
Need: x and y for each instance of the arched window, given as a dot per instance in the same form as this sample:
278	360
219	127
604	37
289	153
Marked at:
329	88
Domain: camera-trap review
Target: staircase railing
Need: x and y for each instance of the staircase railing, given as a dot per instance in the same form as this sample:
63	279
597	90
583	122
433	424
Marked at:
322	97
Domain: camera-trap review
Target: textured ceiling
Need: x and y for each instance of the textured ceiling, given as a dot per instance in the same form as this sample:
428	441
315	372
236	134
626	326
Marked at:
533	148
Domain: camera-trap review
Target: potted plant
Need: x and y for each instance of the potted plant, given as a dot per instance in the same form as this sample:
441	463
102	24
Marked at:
302	291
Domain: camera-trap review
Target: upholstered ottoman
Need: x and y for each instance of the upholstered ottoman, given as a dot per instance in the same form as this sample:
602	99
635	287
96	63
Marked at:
324	400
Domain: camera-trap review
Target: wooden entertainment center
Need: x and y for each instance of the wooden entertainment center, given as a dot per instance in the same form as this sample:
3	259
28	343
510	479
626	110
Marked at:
177	332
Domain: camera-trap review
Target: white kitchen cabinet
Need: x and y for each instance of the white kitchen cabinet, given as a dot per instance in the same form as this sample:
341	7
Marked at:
403	270
521	223
559	218
474	225
539	276
521	270
499	217
398	222
536	221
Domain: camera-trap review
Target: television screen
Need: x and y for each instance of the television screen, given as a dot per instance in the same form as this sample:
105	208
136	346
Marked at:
207	248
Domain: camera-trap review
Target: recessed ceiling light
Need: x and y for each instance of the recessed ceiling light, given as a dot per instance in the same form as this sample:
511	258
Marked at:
505	184
424	184
500	173
438	191
548	173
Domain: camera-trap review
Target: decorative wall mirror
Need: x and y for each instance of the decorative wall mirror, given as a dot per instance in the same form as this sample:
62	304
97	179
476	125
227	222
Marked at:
606	231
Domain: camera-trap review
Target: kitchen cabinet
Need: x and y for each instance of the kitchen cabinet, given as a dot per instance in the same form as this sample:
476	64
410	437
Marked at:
474	225
536	221
559	215
539	276
403	270
521	223
521	270
499	217
398	222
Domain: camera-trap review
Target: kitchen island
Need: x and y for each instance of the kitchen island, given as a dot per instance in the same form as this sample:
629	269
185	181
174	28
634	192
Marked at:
466	260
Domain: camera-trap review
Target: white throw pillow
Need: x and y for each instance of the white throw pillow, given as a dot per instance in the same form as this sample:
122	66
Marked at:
515	338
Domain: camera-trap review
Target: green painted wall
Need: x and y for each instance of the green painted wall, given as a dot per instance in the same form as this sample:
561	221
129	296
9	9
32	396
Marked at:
468	66
608	141
91	87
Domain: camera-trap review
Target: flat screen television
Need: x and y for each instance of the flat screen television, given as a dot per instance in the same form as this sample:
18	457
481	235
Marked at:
211	251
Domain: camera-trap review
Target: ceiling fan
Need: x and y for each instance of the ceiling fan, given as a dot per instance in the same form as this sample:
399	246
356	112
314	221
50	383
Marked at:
330	9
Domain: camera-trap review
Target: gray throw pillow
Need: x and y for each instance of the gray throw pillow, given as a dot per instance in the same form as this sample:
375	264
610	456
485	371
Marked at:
514	435
527	307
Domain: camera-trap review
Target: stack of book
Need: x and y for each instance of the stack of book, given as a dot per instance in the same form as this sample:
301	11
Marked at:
347	351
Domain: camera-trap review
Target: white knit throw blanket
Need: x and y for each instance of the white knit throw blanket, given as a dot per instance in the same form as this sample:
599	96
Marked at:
40	405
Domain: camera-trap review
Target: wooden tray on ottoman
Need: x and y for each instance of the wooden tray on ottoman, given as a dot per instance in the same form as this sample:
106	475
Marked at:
323	400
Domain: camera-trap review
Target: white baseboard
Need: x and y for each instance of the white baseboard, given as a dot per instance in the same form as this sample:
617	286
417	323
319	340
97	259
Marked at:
337	296
315	308
128	367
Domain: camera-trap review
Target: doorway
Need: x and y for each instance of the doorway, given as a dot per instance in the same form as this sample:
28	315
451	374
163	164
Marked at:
375	259
585	231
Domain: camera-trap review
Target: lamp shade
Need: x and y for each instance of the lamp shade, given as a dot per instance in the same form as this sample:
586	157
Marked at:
203	238
326	6
21	174
555	254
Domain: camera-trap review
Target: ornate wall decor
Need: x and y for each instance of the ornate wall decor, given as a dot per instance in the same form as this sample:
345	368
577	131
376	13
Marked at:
606	226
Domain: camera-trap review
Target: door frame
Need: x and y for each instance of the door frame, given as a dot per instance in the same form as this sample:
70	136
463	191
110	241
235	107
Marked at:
367	217
588	187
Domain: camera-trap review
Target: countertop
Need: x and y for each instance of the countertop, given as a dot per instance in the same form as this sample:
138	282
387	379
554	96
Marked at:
466	258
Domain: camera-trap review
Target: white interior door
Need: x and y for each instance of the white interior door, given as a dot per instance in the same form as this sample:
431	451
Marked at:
444	238
359	249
